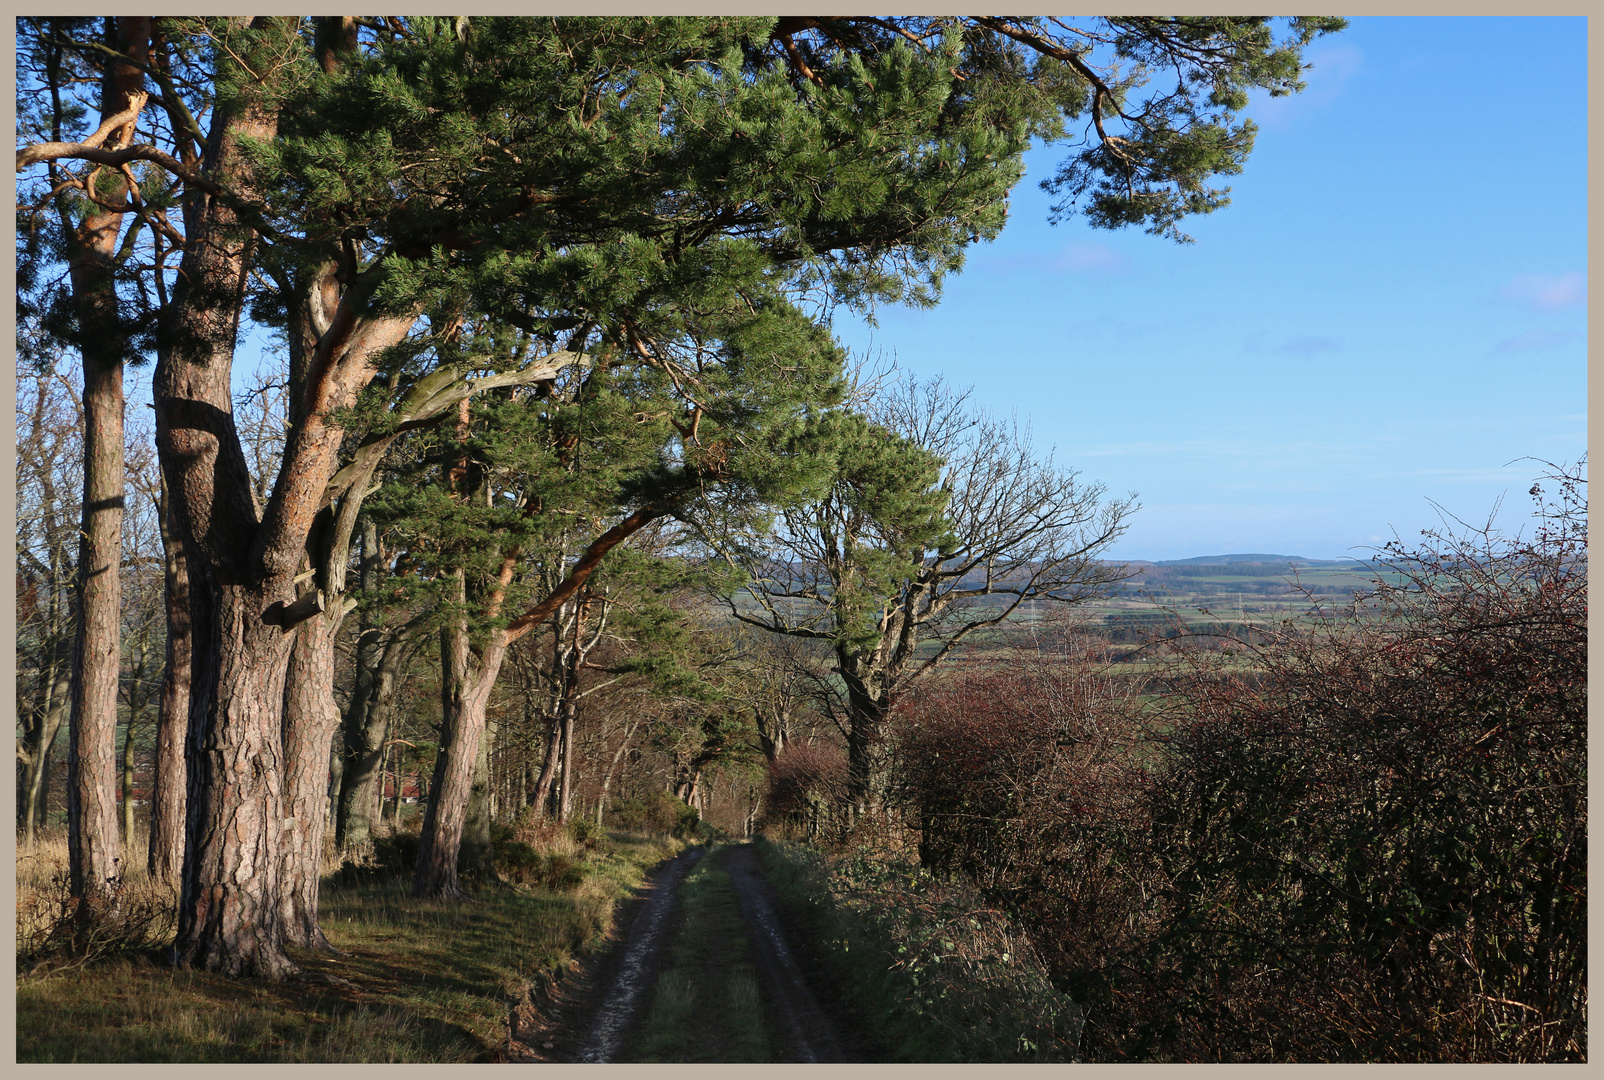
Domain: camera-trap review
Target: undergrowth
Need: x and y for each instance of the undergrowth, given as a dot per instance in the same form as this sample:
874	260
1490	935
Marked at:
933	971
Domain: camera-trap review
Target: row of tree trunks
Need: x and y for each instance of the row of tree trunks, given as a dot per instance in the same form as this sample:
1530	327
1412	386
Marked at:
380	653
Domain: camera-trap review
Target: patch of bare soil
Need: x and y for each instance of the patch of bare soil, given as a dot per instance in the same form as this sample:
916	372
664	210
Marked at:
587	1016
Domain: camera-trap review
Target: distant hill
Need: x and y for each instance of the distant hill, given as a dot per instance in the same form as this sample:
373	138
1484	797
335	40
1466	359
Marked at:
1212	560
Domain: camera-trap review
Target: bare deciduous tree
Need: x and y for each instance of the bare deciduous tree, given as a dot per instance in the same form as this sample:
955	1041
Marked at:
941	522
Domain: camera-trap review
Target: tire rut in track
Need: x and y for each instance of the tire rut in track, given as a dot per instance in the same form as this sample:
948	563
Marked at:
636	971
801	1030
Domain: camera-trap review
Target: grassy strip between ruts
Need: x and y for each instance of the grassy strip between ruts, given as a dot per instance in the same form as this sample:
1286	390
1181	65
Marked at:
706	1006
423	981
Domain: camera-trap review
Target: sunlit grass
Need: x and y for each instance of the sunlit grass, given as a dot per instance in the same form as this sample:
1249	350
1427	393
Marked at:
422	981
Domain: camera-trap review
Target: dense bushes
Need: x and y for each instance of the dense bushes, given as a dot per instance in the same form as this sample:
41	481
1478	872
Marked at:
928	970
1373	849
807	787
659	812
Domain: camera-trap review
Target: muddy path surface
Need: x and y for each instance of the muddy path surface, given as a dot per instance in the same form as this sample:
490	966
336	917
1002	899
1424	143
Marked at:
799	1028
600	1010
601	1003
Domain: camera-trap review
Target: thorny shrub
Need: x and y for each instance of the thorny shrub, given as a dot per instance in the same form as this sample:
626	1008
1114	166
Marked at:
1380	852
1366	843
1024	775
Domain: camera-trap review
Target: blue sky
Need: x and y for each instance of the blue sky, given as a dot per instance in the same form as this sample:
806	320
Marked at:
1391	311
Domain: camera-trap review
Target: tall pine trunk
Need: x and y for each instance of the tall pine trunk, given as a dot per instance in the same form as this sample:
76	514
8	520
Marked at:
166	858
465	694
93	844
310	719
228	909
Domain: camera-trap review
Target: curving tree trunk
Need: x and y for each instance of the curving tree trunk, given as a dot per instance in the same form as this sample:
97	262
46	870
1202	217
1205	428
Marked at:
540	796
465	693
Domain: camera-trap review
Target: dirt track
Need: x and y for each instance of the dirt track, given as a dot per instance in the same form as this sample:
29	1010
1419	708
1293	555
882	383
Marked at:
600	1009
801	1031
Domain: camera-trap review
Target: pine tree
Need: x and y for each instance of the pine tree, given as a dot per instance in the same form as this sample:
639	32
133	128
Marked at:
591	181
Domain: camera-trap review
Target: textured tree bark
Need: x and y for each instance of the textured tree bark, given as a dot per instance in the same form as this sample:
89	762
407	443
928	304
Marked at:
229	916
465	693
166	857
93	844
310	719
474	855
867	767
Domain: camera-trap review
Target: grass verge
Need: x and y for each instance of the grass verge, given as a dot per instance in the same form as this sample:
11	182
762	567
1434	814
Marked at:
932	973
706	1006
422	981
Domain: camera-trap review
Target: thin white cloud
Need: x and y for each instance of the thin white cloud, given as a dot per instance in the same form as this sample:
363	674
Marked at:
1332	70
1503	474
1535	341
1091	258
1099	259
1308	345
1546	292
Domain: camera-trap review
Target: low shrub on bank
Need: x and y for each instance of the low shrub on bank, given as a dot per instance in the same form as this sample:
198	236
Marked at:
937	972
